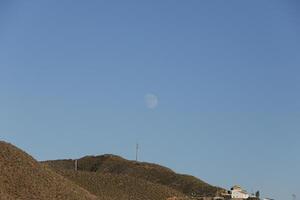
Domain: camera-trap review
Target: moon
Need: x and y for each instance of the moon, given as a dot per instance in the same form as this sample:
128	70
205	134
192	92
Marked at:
151	101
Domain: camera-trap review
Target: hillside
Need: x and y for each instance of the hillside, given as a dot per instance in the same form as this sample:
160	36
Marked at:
106	177
112	167
24	178
120	186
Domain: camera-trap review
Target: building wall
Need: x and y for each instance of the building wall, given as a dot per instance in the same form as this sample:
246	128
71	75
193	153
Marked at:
238	195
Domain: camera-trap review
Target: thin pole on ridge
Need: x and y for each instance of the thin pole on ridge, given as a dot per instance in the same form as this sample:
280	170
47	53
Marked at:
76	165
136	152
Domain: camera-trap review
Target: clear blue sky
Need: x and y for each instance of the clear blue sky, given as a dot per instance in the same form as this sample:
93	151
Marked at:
73	76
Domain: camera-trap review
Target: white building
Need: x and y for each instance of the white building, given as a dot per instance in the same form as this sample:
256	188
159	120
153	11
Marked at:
238	193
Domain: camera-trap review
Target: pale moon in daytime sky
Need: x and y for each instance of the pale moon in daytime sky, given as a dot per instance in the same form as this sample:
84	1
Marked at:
151	101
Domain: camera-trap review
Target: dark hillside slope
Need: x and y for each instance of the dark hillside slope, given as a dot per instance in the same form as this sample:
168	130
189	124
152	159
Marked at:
153	173
23	178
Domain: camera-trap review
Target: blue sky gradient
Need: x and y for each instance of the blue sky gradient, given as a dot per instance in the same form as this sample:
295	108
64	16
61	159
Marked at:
73	76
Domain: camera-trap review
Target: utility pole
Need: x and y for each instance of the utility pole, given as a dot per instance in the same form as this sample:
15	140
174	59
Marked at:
76	165
136	151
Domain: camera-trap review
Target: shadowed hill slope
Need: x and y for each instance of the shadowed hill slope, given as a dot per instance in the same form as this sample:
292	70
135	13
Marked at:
155	174
23	178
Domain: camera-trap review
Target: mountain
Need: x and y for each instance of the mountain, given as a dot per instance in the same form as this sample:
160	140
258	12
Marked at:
23	178
130	176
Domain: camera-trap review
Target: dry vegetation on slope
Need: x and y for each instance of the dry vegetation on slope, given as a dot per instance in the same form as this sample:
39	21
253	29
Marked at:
151	173
23	178
104	177
120	186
